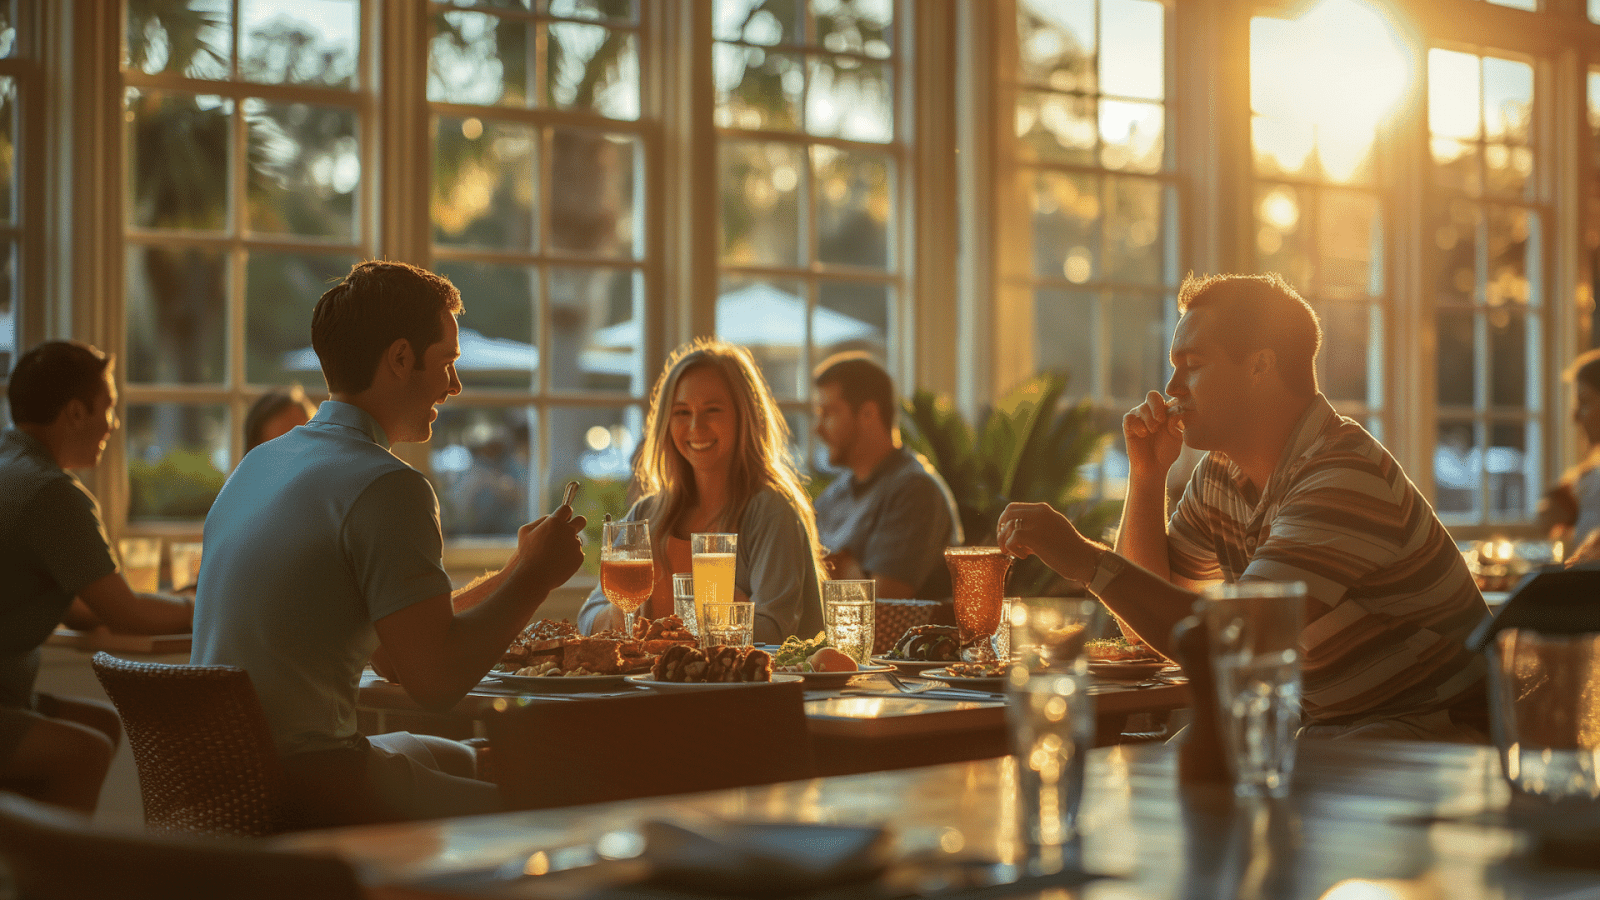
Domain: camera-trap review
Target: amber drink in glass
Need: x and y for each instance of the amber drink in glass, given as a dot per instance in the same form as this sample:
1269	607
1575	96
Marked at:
627	575
978	576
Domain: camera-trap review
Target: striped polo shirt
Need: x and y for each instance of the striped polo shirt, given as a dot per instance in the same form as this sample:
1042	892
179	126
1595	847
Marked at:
1393	600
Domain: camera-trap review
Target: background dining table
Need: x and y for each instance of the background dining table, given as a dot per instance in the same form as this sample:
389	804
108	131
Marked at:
1364	821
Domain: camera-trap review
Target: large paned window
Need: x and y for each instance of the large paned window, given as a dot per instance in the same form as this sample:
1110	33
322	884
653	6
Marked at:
539	215
11	218
1093	159
1321	180
812	174
1486	286
244	134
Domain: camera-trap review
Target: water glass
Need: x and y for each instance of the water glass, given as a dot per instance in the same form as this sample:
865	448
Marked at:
683	601
729	624
1002	635
141	563
185	560
1544	713
848	610
1255	651
1050	713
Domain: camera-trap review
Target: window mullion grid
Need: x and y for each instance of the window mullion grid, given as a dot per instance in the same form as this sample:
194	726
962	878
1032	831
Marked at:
238	259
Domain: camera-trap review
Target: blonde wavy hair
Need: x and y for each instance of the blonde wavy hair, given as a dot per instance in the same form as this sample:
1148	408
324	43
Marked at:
761	456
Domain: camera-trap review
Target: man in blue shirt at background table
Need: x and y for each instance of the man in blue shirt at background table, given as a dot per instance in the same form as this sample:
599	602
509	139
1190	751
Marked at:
890	516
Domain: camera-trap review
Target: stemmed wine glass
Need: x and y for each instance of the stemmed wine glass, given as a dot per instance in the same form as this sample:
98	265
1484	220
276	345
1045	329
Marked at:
627	575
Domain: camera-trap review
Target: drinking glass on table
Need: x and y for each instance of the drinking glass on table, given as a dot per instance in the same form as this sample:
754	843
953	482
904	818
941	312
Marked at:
729	624
1049	713
978	580
141	563
848	608
627	574
714	556
683	601
185	559
1255	652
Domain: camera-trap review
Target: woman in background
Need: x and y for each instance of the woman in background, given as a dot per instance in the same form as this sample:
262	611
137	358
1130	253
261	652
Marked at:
276	414
715	458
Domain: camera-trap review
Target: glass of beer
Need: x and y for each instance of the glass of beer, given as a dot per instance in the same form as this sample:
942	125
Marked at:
627	575
141	563
713	556
978	576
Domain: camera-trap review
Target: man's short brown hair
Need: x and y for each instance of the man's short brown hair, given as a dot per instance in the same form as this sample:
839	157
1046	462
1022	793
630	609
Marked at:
1261	312
378	303
53	374
860	379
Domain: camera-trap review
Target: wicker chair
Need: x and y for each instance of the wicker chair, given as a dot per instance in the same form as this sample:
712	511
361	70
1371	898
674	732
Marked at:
206	761
52	854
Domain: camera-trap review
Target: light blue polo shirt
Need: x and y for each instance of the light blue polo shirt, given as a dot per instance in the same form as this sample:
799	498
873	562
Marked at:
316	535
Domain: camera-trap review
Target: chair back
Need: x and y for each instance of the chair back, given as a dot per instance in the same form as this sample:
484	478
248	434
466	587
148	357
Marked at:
565	753
53	854
206	759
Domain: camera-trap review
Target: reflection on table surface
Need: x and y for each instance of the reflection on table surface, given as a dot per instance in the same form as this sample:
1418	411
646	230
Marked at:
1365	819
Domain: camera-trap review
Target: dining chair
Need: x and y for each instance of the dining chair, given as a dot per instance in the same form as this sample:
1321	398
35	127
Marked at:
205	755
54	854
565	753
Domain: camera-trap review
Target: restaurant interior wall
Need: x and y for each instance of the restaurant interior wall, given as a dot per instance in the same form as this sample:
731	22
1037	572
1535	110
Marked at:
975	191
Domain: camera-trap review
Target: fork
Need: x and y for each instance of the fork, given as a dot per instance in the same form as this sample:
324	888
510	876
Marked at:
904	688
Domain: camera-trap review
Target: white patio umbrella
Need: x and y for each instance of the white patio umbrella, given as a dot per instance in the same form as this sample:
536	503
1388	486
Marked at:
478	354
757	315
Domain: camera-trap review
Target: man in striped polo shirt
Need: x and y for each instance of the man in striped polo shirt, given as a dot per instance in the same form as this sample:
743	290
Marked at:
1288	490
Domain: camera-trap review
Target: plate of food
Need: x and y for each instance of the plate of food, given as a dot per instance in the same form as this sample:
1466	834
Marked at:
923	647
560	684
821	665
826	681
645	679
1126	669
986	676
690	668
1120	658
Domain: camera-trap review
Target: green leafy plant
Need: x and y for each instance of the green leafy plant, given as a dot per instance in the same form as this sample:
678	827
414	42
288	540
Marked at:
1029	446
179	486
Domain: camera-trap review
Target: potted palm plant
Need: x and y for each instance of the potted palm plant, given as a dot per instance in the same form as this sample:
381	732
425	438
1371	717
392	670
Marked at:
1031	445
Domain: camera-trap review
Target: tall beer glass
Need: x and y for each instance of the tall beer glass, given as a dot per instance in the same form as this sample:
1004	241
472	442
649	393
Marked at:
713	557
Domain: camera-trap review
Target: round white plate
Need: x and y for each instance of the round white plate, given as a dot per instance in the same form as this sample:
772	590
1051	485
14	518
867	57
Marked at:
912	666
644	680
559	684
984	683
824	681
1121	669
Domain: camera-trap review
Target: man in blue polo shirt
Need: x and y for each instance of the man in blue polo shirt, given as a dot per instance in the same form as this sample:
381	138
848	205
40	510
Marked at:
56	564
323	551
890	516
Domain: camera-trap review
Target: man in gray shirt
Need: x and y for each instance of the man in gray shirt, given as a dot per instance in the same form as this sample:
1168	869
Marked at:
56	564
324	550
890	516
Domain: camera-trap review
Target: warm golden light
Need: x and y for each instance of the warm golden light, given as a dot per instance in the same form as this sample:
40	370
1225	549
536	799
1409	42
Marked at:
1325	83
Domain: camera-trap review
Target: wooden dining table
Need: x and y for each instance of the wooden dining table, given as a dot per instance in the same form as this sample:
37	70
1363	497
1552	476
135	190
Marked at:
863	726
1363	821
